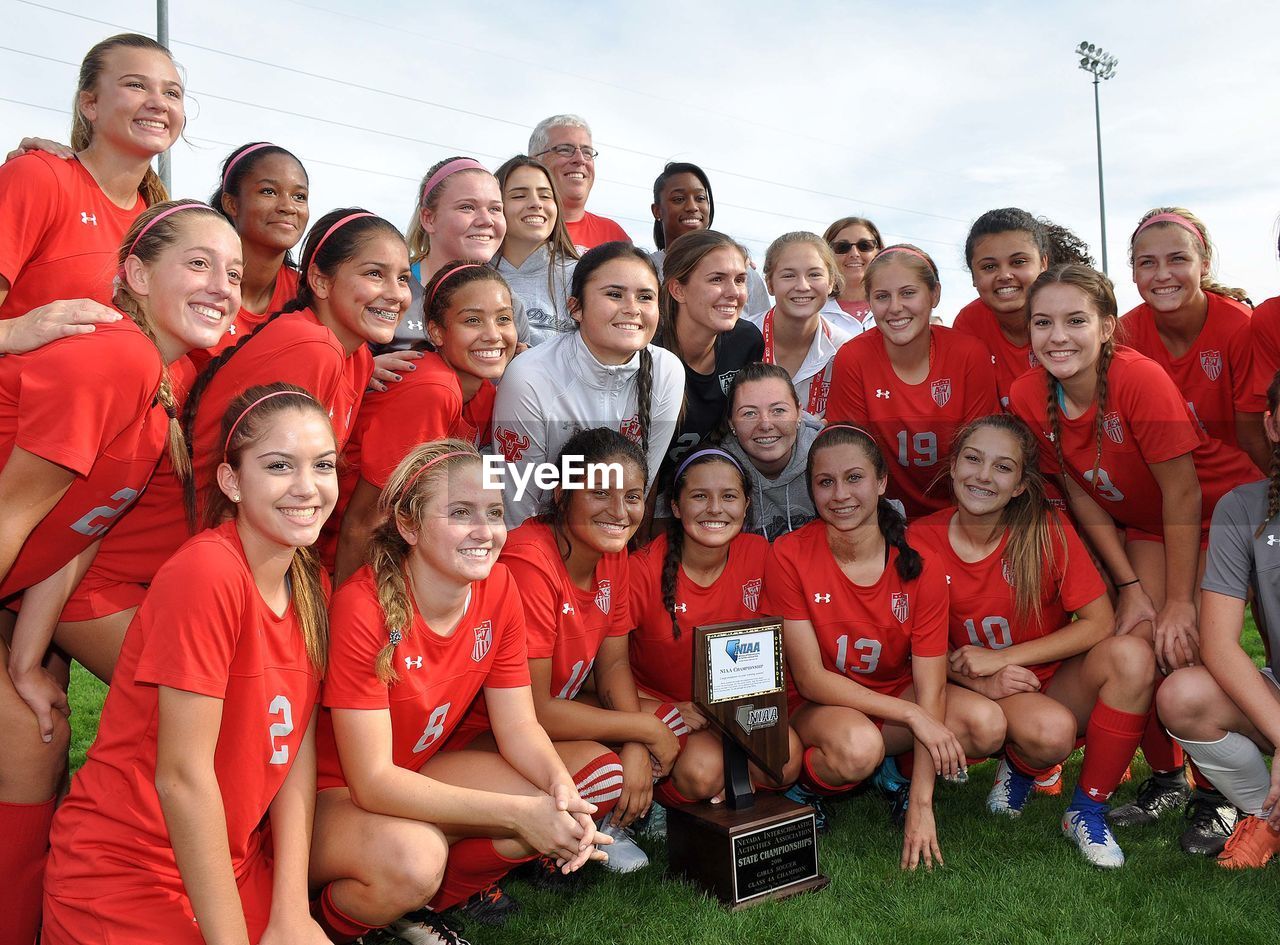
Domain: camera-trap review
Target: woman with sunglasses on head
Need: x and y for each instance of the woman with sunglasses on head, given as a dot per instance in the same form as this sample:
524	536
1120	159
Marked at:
855	242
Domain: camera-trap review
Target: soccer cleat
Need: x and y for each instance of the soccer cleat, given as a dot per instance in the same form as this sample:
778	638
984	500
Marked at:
1010	792
425	927
1250	846
653	825
802	795
889	781
1157	795
490	906
1051	783
624	855
1211	818
542	873
1085	825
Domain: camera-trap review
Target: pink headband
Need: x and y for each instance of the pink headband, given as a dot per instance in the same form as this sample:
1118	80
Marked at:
244	413
236	160
440	281
909	250
153	221
844	425
460	164
341	223
1175	218
431	462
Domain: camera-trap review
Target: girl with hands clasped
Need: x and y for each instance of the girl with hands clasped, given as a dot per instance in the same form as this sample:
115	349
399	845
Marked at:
865	618
190	822
1017	572
429	625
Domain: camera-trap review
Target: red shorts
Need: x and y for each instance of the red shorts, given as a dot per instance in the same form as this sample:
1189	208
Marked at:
796	702
98	596
150	914
1137	534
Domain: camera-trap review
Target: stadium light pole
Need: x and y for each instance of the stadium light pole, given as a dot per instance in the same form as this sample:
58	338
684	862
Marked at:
162	37
1101	65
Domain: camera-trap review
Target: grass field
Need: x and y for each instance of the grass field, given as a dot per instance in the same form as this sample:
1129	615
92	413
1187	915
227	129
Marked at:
1003	882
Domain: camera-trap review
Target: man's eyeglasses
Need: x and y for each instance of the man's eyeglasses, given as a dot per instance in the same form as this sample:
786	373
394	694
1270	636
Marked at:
567	151
840	247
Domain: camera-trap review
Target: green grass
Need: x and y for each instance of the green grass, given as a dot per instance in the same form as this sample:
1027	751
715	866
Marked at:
1003	882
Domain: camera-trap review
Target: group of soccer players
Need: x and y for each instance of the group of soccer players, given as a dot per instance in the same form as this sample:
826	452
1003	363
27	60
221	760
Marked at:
354	684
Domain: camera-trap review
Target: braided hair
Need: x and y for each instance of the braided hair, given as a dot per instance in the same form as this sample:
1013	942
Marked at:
1273	490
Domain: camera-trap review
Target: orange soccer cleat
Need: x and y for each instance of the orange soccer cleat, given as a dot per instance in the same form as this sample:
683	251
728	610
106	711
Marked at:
1251	845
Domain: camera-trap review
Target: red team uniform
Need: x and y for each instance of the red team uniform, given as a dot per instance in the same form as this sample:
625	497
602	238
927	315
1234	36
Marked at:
204	628
983	601
592	230
869	633
86	403
1264	333
246	322
663	663
913	423
61	233
439	677
1147	421
1011	361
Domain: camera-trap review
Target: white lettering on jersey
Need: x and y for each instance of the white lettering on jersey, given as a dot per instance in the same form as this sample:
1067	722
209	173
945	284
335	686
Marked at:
435	728
89	524
280	706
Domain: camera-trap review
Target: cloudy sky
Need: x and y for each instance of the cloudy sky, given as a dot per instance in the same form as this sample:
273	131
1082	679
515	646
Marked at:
920	116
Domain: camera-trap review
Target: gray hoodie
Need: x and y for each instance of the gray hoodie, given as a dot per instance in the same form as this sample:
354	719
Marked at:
780	505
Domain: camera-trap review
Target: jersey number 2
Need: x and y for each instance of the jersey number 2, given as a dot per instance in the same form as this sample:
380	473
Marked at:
280	706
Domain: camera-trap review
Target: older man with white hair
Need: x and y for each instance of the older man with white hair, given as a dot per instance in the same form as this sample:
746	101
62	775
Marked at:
563	144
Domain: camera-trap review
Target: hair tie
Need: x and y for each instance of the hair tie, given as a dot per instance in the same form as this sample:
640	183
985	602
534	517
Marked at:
152	222
340	223
431	462
907	249
845	425
458	164
395	637
245	153
226	446
1175	218
430	298
709	451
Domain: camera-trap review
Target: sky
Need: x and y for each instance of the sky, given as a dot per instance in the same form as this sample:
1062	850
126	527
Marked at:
919	116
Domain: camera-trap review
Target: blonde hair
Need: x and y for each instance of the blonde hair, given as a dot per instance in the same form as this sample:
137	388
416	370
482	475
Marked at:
415	234
151	188
402	503
1205	249
910	256
828	258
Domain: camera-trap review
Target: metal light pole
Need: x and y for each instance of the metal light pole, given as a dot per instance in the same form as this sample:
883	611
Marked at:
162	37
1103	66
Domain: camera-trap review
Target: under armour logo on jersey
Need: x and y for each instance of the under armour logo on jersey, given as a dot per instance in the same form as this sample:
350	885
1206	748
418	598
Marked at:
882	393
948	578
822	598
231	330
1094	792
414	326
1273	539
566	608
413	662
680	608
88	218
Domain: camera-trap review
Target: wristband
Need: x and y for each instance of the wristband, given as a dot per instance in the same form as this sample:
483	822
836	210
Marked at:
1128	583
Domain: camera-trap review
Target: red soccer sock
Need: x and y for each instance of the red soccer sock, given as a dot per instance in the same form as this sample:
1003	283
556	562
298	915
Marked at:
810	778
473	865
906	763
670	716
1158	747
599	782
665	793
1110	740
25	829
340	927
1015	762
1199	781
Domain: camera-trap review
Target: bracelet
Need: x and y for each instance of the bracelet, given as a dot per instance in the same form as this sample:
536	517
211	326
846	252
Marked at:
1127	583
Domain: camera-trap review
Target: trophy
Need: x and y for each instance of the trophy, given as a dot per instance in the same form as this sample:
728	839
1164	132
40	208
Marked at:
749	849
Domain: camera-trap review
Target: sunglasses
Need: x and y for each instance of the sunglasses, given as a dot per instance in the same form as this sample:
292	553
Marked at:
840	247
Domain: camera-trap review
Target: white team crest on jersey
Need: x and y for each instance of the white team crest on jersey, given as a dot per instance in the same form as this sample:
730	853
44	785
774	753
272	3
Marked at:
1032	360
604	593
725	380
751	595
1211	361
1112	427
631	429
1006	568
941	391
900	604
484	640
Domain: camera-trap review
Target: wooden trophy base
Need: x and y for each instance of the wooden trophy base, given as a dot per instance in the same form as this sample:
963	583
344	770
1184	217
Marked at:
747	856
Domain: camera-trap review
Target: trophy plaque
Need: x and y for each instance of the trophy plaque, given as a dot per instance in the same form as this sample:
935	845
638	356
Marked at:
749	849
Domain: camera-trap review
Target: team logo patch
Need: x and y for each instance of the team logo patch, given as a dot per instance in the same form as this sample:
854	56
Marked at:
88	219
483	641
900	604
725	380
941	391
1007	570
604	593
630	428
1211	361
1032	360
1112	427
511	443
751	595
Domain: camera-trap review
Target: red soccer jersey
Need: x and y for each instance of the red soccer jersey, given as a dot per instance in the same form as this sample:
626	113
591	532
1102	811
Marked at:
592	230
439	677
1264	331
1215	376
1146	421
564	623
661	662
203	628
1011	361
867	633
983	608
913	423
60	233
246	321
86	403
